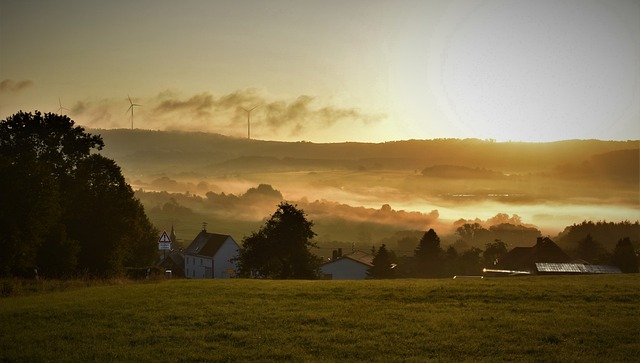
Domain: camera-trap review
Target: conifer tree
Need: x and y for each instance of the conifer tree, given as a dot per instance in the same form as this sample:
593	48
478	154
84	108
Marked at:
382	265
624	256
428	255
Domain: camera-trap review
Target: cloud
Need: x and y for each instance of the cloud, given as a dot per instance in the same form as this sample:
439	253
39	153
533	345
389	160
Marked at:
224	114
293	115
200	105
11	86
97	113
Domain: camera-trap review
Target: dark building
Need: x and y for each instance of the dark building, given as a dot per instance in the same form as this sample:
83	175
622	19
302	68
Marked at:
525	258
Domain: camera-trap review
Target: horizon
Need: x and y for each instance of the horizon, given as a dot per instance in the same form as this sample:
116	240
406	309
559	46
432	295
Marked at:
349	72
240	138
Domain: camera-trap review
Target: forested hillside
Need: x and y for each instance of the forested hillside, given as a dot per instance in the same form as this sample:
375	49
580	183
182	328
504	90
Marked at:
362	194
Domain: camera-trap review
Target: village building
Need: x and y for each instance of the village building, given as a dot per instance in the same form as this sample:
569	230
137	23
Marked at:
525	258
545	257
210	256
173	264
352	266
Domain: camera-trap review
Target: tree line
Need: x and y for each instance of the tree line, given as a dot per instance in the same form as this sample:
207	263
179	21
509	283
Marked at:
283	249
66	210
431	260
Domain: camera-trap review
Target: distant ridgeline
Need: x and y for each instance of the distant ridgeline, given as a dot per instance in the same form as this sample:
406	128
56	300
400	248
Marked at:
154	150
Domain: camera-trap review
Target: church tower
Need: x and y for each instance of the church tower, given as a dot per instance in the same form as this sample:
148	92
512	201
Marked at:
172	237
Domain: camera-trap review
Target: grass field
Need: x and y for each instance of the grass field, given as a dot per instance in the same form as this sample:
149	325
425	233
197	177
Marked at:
525	319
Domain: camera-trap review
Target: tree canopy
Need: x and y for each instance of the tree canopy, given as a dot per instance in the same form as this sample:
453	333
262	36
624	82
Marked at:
65	208
280	249
624	256
382	265
428	255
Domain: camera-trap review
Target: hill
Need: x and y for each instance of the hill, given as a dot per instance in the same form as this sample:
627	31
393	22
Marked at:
344	186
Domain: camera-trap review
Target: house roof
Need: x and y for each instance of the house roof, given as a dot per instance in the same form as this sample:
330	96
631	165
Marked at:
582	268
357	256
206	244
175	258
545	250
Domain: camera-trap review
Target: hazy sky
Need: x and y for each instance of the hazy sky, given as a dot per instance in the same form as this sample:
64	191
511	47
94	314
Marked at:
330	70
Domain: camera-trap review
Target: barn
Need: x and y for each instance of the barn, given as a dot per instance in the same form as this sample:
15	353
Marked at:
525	258
210	256
545	257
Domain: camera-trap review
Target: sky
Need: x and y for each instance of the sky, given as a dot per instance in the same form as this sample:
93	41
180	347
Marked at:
329	71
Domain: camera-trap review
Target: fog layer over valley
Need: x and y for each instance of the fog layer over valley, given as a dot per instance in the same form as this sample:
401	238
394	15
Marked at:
360	194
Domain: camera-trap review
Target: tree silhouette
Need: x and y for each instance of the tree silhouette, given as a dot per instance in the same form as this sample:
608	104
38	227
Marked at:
382	265
493	252
281	247
470	262
473	234
624	256
107	219
428	255
59	200
30	208
592	251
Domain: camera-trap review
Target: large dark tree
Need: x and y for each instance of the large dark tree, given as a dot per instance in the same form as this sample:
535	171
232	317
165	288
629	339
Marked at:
624	256
592	251
382	265
493	252
58	200
470	262
473	234
428	255
29	208
280	249
49	138
105	217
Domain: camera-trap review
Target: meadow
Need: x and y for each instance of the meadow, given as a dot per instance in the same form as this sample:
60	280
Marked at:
522	319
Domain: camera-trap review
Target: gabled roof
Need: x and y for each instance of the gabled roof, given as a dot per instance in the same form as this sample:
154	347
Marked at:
173	258
357	256
207	244
545	250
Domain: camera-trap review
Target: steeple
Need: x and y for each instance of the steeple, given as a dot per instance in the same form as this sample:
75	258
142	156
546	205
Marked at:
172	236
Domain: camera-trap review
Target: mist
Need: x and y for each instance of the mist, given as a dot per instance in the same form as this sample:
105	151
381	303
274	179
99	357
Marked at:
360	194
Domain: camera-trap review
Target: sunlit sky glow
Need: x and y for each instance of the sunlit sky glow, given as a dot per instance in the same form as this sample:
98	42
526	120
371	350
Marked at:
328	71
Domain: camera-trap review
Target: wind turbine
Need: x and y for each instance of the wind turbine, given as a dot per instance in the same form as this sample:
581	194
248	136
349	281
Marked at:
249	120
131	107
60	109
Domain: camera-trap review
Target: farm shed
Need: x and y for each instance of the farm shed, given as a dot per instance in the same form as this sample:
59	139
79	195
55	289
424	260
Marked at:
525	258
209	256
352	266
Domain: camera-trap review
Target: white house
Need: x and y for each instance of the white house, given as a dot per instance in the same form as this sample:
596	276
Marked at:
209	256
352	266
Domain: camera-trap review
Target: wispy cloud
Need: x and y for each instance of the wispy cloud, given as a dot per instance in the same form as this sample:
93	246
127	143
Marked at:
12	86
225	113
293	115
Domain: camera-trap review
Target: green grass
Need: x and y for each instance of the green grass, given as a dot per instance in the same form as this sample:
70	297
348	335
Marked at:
526	319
